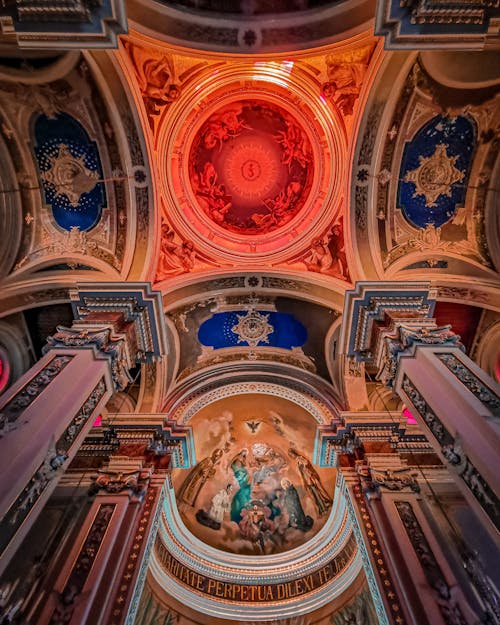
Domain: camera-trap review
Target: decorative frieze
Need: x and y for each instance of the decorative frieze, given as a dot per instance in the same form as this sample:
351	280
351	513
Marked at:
471	382
260	593
454	454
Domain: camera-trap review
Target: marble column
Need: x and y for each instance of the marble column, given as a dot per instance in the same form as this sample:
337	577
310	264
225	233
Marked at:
48	412
389	327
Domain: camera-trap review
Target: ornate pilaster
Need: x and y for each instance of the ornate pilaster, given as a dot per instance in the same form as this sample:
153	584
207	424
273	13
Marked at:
412	560
390	328
47	413
62	25
123	323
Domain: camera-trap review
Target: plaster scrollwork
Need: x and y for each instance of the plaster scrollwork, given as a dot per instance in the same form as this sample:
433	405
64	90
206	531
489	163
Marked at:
472	382
112	482
42	98
402	341
54	459
155	75
374	480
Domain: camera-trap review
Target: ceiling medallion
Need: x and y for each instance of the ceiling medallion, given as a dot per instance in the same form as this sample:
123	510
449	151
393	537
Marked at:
253	328
69	176
435	175
251	167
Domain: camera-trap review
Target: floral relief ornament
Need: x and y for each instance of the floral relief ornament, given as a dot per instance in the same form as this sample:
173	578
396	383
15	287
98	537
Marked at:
253	328
435	175
69	176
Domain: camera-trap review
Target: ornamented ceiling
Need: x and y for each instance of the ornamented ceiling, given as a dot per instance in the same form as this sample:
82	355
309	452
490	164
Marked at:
253	191
251	155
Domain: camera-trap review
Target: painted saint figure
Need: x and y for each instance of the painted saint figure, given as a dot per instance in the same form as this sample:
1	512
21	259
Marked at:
296	515
197	477
242	497
312	482
256	524
221	503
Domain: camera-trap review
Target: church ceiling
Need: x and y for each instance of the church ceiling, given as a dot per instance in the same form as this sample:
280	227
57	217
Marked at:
250	156
71	171
252	327
252	190
424	174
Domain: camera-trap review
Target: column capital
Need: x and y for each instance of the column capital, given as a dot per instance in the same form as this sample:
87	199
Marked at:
385	320
122	321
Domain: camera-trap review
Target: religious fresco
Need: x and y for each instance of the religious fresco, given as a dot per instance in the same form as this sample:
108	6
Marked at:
70	170
251	167
254	489
435	169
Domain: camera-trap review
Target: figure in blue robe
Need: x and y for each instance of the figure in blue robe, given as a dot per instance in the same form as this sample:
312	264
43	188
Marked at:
242	497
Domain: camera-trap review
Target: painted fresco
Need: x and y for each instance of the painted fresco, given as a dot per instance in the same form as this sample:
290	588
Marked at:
254	489
251	167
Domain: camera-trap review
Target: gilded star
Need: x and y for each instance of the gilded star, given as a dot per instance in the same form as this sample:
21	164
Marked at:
435	175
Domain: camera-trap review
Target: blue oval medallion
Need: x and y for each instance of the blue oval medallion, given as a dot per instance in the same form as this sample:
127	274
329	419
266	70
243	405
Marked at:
70	170
435	169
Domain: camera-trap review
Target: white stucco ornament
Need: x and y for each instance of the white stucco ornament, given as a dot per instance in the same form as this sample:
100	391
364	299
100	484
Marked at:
435	175
253	328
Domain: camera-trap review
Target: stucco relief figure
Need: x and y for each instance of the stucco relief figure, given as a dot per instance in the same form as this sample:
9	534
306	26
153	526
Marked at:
155	77
220	506
197	477
295	145
223	126
297	518
327	254
211	195
312	482
175	256
345	78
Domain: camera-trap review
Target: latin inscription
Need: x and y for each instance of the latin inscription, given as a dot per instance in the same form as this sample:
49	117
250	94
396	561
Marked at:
256	592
